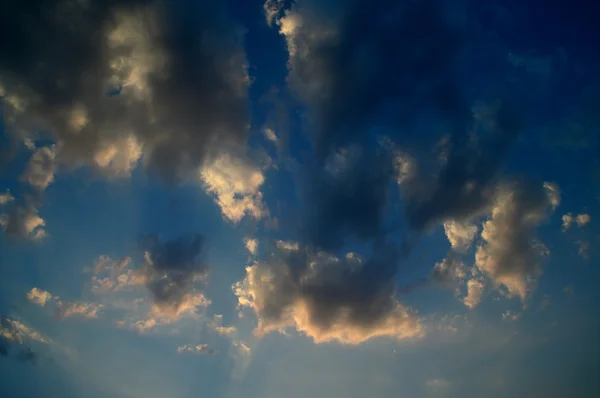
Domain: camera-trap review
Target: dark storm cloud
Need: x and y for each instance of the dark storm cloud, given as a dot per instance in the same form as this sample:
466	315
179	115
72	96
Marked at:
172	267
110	77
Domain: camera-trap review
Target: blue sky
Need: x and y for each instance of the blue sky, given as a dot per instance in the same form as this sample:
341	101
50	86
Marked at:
301	199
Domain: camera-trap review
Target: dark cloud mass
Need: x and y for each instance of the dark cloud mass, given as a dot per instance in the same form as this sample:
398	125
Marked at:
348	299
370	70
172	267
115	80
375	63
348	197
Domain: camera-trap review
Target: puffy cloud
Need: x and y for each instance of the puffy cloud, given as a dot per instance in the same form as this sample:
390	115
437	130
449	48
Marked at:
460	235
347	299
41	168
126	80
6	197
200	349
449	272
235	183
217	325
242	349
22	220
475	289
570	219
287	246
509	255
251	245
39	296
170	271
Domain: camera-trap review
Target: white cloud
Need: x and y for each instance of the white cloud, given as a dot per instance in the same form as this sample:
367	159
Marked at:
283	297
251	245
81	309
288	246
41	168
15	330
509	255
119	157
6	197
235	184
475	289
242	348
570	219
38	296
23	221
217	325
200	349
460	235
270	134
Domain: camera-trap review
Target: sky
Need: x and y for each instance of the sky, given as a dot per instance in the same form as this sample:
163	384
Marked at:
299	198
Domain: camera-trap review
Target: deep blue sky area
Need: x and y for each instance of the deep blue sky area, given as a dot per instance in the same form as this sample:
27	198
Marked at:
299	198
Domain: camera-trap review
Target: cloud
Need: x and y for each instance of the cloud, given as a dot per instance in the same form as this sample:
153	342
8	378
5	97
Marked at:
200	349
126	81
81	309
475	289
580	219
583	249
251	245
344	70
235	184
170	270
463	186
270	134
170	276
6	197
510	316
272	9
509	254
449	273
460	235
22	220
16	331
217	325
63	310
242	349
41	168
39	296
349	299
